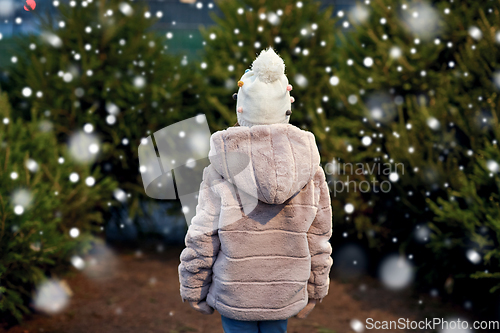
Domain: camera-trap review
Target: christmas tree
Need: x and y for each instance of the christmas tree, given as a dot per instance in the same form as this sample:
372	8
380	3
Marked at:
50	207
422	78
298	31
96	67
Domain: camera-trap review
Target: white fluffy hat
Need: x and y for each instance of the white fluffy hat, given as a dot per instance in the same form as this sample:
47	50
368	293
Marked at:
264	94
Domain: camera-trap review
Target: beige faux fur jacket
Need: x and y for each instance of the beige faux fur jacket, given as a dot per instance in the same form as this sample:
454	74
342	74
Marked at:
262	262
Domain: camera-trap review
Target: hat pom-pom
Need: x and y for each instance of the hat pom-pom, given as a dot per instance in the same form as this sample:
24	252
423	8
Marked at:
268	66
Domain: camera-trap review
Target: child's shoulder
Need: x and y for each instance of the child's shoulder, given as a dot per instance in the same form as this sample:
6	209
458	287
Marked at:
290	128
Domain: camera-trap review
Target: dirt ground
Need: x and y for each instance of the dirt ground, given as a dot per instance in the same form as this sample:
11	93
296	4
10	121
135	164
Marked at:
139	292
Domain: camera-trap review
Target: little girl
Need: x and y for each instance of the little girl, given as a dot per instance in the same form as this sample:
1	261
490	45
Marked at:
258	249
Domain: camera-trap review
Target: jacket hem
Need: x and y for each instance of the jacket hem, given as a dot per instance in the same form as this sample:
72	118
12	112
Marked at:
253	314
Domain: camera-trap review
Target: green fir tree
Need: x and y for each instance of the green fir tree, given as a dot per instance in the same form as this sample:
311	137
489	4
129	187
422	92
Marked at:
43	196
299	32
423	79
98	64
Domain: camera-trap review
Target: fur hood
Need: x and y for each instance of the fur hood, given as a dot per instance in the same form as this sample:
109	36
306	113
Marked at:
269	162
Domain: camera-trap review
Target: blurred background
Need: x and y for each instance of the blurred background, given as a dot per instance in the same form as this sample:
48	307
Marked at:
402	97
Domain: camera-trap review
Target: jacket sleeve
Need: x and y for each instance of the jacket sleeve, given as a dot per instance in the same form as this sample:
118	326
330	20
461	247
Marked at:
318	236
202	241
